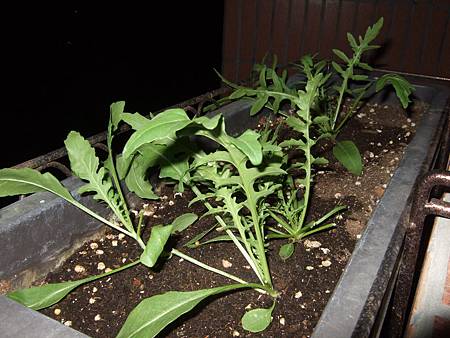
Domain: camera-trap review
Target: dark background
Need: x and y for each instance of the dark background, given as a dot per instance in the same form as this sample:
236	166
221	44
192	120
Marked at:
64	64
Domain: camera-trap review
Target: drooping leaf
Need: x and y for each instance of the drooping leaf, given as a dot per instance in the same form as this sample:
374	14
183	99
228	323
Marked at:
44	296
40	297
286	250
257	320
403	88
25	181
183	221
165	124
259	103
155	245
151	315
248	143
348	155
136	178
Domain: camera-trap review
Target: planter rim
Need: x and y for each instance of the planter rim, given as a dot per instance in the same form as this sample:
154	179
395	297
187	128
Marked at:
368	276
363	283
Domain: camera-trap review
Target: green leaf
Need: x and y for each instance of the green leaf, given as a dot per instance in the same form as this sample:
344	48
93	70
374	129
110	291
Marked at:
257	320
403	88
163	125
259	104
337	67
136	178
238	93
116	110
248	143
151	315
40	297
296	124
25	181
348	155
183	221
286	250
155	245
136	121
359	77
351	40
364	66
341	55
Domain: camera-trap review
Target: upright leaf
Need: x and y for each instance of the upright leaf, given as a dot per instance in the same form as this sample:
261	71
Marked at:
248	143
348	154
155	245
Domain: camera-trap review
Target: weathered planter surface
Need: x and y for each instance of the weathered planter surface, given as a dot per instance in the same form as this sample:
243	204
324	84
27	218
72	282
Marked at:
36	232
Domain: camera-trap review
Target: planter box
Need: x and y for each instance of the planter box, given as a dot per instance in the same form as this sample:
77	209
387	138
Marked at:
39	231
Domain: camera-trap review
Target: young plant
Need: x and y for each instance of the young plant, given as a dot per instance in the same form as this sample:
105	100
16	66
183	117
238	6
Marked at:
348	80
303	102
332	116
103	182
239	176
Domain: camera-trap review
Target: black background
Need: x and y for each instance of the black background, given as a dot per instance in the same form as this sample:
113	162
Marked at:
64	64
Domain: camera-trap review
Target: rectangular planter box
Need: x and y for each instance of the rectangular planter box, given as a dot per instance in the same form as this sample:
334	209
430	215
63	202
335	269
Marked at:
37	232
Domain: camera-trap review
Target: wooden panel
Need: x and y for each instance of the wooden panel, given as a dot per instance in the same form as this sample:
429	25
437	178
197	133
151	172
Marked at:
329	32
443	66
295	34
230	40
345	24
432	44
312	30
248	37
380	57
280	29
414	38
264	24
399	32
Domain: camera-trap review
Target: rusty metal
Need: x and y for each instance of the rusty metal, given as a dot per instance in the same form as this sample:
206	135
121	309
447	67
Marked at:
422	206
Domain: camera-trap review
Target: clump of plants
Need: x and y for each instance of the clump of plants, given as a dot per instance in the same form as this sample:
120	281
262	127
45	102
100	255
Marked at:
346	79
244	182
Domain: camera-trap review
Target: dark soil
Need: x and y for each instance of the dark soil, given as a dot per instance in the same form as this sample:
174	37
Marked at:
305	281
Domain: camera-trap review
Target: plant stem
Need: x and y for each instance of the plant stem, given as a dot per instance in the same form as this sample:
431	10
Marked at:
207	267
238	244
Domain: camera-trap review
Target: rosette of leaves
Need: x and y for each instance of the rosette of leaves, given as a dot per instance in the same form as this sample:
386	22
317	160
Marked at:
239	175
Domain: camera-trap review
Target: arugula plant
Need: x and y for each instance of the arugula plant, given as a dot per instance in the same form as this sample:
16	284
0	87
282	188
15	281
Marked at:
103	182
347	80
239	176
290	211
332	116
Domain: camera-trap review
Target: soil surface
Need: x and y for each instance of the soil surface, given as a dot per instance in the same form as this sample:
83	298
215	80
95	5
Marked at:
305	281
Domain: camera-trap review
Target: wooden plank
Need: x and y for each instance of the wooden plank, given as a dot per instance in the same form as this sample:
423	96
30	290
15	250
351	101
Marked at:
380	57
280	29
264	24
345	24
248	41
295	34
329	24
415	38
431	50
230	40
312	31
